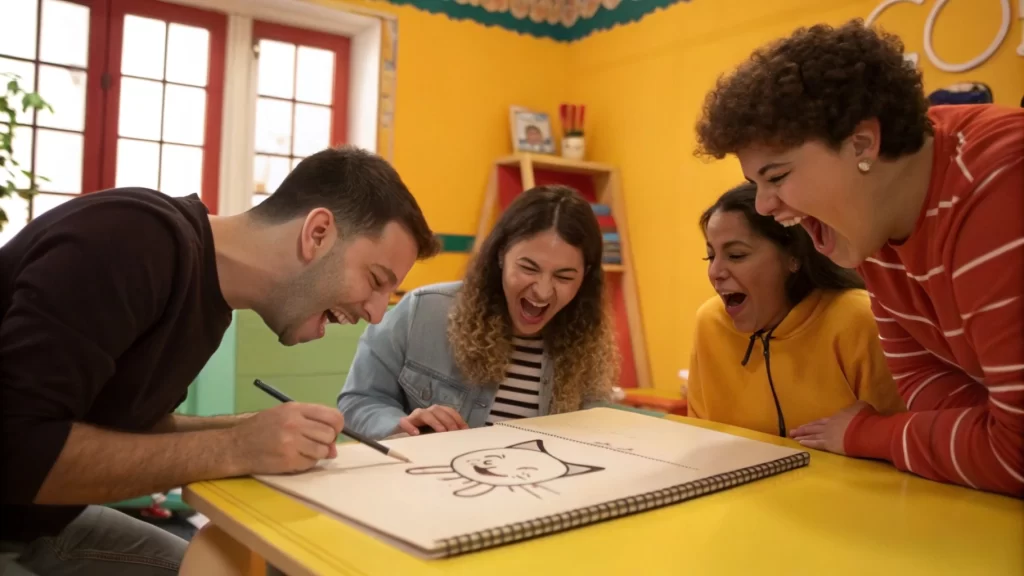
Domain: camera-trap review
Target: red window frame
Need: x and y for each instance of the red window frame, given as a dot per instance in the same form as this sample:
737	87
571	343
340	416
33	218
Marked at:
92	156
340	45
217	25
92	129
106	27
102	95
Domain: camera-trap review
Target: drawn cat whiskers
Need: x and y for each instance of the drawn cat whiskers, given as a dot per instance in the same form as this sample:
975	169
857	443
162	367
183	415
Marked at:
525	466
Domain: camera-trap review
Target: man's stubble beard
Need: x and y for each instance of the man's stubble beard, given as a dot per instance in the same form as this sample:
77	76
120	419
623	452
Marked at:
307	294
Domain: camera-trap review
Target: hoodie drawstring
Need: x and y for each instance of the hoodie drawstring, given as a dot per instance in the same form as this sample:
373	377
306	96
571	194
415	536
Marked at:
765	338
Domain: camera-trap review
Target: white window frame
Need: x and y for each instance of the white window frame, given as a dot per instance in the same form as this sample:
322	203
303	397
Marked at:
361	25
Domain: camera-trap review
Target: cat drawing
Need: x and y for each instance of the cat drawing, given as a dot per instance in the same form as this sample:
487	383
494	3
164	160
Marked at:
525	466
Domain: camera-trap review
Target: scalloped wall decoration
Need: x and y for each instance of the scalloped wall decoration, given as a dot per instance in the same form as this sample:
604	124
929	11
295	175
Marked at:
559	20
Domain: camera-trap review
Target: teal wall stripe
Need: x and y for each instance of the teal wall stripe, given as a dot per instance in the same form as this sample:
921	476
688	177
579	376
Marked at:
456	242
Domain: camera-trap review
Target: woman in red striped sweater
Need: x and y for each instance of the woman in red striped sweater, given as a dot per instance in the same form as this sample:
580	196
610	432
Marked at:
928	204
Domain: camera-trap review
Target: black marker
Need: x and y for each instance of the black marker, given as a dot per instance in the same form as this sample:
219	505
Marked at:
280	396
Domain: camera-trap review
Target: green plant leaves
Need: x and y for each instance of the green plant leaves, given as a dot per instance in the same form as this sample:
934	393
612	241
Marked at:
9	167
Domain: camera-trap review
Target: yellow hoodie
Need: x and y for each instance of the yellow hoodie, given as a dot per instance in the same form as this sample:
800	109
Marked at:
824	356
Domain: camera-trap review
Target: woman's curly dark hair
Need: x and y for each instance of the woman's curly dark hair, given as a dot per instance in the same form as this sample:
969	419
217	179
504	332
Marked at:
579	339
817	84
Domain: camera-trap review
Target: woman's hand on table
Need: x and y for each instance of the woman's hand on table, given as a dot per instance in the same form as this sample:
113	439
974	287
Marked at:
439	418
828	433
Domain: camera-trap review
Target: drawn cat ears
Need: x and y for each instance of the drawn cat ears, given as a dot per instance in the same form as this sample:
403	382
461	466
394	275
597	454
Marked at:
537	445
574	469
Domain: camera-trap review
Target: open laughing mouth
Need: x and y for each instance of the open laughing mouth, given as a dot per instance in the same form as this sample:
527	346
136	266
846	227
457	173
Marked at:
822	235
333	317
337	317
531	309
733	299
486	472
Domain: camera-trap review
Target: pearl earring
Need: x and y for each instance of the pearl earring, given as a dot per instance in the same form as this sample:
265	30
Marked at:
864	166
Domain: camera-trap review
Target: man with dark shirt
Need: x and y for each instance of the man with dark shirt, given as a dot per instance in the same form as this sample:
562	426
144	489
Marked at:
112	303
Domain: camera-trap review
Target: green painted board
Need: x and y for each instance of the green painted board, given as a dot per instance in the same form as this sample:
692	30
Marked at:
259	352
213	391
312	372
315	389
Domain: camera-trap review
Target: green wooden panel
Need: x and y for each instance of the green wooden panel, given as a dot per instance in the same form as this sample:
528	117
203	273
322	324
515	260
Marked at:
312	372
213	391
259	352
315	389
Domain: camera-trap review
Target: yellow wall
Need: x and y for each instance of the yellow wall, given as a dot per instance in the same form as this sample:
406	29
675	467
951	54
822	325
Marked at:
643	85
456	81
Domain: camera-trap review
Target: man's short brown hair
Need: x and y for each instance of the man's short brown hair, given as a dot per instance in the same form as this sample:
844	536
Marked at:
817	84
361	189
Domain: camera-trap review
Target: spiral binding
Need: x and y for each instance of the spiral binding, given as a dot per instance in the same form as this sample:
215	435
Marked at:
621	507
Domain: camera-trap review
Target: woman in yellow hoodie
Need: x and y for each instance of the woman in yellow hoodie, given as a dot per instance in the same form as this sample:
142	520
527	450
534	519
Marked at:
790	337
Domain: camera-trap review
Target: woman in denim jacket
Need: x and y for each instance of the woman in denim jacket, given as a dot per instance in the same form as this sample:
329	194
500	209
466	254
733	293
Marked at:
526	332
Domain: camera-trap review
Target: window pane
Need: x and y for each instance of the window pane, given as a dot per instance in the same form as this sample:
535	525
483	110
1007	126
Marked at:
276	69
184	115
295	162
43	202
141	102
65	34
26	72
64	90
138	164
273	126
315	78
188	54
181	170
17	216
142	52
268	173
59	158
312	129
22	146
19	30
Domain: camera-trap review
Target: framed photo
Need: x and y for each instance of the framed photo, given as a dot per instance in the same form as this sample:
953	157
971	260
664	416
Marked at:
531	131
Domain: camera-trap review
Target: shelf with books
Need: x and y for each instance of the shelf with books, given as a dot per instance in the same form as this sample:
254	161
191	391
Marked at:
601	185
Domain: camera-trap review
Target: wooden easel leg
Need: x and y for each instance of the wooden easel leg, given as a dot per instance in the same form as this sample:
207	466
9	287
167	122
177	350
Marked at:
214	551
490	204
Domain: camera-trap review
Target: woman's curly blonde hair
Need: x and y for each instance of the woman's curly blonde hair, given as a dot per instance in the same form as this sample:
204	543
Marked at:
580	338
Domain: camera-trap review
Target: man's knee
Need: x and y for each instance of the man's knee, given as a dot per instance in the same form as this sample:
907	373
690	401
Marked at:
104	541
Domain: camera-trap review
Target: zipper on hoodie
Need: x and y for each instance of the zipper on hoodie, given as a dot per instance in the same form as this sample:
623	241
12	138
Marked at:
765	338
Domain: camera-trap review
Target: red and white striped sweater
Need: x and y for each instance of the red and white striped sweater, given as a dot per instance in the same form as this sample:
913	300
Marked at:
949	302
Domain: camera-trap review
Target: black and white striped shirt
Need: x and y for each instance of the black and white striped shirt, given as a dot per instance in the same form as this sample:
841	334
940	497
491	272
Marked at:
518	396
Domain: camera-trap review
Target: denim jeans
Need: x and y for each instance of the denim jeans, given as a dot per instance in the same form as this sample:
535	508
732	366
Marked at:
100	541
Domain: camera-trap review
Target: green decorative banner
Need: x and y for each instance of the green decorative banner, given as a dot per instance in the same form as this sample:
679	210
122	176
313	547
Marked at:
456	242
560	20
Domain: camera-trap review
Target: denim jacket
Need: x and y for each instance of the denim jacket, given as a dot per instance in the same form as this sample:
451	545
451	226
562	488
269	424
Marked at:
405	362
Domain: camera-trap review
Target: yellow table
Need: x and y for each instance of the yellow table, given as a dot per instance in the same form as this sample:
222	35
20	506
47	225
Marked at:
836	516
